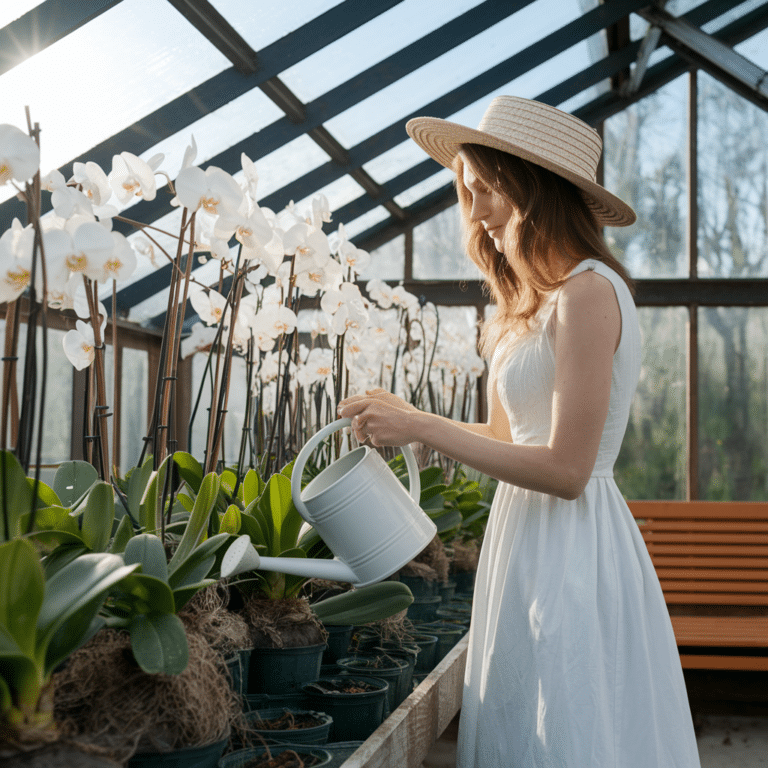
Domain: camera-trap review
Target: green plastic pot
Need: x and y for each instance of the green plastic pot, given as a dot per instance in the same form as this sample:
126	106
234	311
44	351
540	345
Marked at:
241	757
283	670
423	609
237	667
190	757
426	659
447	636
355	715
316	734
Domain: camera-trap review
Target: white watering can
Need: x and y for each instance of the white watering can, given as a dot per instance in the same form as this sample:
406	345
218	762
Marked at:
360	509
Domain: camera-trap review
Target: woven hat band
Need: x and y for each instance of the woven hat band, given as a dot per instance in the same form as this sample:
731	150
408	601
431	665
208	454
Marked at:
545	132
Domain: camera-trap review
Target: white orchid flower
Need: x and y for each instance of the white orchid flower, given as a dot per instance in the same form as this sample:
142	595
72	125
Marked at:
19	155
190	153
320	272
380	292
94	182
213	190
92	246
131	176
15	272
210	305
351	256
120	265
79	345
317	368
250	175
321	211
66	201
402	298
200	340
270	323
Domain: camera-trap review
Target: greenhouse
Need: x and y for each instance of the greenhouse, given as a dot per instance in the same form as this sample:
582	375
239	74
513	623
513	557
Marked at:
229	230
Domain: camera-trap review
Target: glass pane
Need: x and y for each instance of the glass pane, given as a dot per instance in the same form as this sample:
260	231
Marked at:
387	262
438	253
133	413
471	58
441	179
733	403
739	10
756	49
645	165
57	415
733	162
366	221
651	463
395	161
236	404
105	76
263	23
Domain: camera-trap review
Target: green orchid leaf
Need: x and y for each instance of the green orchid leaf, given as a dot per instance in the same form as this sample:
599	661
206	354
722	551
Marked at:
159	643
190	470
6	699
187	502
137	486
15	496
63	555
46	496
449	519
77	584
292	584
73	480
183	595
147	550
230	521
144	593
98	517
280	514
56	518
365	604
122	536
73	633
253	522
197	565
228	481
19	674
150	510
22	585
253	487
198	519
314	546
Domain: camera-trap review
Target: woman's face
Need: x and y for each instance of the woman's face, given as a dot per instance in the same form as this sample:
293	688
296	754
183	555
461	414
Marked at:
493	211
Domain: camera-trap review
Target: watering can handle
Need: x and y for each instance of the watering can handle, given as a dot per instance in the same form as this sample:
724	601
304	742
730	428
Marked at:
414	480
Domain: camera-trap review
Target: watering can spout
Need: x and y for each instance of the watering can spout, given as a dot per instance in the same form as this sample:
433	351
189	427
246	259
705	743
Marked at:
242	556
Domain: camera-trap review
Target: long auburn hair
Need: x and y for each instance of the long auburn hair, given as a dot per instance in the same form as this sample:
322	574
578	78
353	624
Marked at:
554	219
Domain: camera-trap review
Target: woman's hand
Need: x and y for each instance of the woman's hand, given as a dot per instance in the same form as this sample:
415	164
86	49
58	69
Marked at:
381	418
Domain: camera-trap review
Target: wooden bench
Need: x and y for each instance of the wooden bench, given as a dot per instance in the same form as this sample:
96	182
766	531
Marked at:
712	562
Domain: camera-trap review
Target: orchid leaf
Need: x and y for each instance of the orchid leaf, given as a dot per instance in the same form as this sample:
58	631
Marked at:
451	518
122	536
98	517
15	495
22	585
254	523
75	631
46	496
183	595
230	521
228	481
73	480
202	558
198	519
55	518
62	556
147	550
159	643
146	594
19	675
190	470
150	510
253	487
137	486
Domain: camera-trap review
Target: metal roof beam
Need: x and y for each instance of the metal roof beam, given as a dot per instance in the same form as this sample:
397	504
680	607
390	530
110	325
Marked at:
219	90
43	26
711	55
647	47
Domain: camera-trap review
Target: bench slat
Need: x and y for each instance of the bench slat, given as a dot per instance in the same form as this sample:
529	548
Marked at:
664	537
738	526
707	549
731	510
668	561
749	663
712	574
746	587
743	631
709	598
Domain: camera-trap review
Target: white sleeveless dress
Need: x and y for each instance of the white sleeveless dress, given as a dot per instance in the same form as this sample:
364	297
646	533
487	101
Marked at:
572	660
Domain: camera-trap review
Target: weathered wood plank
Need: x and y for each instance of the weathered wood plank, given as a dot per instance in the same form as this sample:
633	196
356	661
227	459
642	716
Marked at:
405	737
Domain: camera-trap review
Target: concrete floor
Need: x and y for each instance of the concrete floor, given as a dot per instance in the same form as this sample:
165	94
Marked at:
725	741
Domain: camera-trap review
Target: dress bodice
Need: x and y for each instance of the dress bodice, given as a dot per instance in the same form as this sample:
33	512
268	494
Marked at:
524	370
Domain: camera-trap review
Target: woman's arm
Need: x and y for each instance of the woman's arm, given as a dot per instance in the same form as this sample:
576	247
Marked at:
588	327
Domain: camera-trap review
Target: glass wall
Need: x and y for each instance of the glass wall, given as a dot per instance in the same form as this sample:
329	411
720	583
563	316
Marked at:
438	253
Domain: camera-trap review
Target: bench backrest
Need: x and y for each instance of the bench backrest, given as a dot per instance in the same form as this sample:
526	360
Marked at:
707	552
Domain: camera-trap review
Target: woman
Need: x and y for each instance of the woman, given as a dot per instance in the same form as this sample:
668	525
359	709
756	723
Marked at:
572	660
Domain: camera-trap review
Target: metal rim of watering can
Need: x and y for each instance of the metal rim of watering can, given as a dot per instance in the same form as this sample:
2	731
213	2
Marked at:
414	479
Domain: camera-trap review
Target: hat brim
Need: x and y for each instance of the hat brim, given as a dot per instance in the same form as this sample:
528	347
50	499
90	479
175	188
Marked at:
442	140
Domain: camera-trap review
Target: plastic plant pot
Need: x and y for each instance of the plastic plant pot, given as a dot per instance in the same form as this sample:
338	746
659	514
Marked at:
465	582
237	667
423	609
311	734
447	636
189	757
338	642
386	668
426	659
340	751
446	590
242	757
356	715
283	670
420	587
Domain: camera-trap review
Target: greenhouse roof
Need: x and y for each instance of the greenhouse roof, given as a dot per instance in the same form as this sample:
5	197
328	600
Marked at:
318	97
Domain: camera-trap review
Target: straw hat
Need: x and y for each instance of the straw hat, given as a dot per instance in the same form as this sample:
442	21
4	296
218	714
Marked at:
536	132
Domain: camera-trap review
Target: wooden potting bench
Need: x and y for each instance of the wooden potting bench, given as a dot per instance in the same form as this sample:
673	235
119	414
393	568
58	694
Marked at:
712	562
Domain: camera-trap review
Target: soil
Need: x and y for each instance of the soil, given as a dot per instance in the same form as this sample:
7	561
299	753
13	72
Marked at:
288	721
286	759
58	754
339	686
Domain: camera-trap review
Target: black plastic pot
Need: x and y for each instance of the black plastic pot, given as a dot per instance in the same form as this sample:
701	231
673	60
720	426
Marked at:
242	757
339	639
237	667
447	636
446	590
191	757
355	715
423	609
340	751
386	668
426	659
283	670
465	582
316	734
420	587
